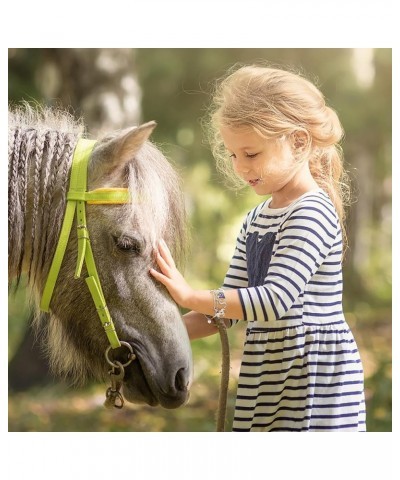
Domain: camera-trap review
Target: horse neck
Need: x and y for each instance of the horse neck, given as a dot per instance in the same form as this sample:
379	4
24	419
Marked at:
39	164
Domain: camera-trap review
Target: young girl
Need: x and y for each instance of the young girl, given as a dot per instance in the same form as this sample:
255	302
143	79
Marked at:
301	369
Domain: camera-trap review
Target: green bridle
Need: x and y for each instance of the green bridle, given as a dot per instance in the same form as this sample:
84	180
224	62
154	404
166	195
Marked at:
76	198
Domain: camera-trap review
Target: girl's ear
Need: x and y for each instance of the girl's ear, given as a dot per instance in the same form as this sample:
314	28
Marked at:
112	155
300	140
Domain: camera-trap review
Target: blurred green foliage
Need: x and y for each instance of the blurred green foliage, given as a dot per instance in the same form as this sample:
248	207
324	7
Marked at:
176	86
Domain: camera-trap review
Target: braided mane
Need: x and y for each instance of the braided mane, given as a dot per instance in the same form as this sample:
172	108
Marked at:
41	142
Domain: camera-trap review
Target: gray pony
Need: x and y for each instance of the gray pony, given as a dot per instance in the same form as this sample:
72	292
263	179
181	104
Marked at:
41	144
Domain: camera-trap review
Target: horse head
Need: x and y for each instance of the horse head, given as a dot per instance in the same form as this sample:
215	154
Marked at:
123	240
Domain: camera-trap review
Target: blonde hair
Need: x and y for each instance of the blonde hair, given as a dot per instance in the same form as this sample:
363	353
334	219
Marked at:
275	103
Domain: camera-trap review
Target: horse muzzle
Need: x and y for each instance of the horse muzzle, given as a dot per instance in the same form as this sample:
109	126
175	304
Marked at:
154	381
170	389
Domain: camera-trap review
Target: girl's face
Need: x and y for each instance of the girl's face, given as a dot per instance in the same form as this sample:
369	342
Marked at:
266	165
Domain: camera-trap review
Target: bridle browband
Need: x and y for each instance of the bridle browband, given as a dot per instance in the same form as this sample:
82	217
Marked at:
77	197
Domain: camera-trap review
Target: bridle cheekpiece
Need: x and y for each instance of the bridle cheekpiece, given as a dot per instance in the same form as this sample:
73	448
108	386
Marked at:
77	197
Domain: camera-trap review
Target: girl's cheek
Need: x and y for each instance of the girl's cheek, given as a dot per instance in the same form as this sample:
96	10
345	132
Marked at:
267	169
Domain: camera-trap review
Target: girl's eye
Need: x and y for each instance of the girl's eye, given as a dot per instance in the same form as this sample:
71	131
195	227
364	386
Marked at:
128	244
248	155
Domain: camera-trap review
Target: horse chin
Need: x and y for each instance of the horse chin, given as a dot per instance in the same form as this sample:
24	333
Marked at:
141	394
136	395
138	389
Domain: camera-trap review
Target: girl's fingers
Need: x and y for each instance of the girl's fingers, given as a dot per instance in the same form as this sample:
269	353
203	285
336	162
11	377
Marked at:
165	263
164	279
166	254
159	276
165	268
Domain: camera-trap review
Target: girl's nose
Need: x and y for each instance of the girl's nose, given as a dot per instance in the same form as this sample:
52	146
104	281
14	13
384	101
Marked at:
242	168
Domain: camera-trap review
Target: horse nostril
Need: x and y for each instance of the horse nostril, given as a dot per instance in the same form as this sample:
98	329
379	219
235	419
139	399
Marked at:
181	382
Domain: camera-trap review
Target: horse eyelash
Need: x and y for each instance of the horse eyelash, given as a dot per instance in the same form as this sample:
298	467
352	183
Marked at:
128	244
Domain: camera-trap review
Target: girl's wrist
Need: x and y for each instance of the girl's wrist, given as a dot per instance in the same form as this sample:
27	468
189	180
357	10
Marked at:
197	301
191	300
200	301
225	304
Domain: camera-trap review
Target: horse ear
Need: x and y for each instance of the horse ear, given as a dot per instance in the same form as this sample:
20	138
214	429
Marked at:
113	154
132	140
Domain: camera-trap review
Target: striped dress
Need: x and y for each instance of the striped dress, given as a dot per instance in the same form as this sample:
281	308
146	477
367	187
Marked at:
301	369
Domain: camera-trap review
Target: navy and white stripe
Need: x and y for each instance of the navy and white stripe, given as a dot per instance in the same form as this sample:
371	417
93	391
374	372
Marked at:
301	369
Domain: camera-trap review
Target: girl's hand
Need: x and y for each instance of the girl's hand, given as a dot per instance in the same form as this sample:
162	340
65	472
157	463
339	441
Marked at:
170	276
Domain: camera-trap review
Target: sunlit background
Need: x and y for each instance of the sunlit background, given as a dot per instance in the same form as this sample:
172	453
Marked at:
117	88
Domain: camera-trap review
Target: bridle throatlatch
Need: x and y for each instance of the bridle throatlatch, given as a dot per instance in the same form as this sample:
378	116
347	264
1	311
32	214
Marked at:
77	197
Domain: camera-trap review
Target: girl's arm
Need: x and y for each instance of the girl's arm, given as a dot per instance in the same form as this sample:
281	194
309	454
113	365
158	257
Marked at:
198	327
200	301
307	236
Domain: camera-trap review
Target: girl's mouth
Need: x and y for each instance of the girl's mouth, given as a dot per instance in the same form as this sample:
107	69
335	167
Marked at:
254	182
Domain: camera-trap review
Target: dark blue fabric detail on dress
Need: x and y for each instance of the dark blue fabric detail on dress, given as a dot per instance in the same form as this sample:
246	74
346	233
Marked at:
258	253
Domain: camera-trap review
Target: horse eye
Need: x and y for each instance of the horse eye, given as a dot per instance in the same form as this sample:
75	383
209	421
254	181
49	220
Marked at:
128	244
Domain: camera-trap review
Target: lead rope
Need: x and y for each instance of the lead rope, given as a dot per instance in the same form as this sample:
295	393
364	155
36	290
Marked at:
224	384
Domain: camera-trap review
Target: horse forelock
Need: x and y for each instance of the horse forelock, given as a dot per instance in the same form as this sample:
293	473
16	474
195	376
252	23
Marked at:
157	199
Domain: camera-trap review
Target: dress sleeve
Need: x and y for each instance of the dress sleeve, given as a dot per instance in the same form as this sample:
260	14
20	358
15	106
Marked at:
304	240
